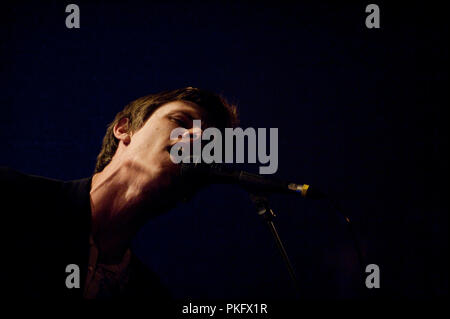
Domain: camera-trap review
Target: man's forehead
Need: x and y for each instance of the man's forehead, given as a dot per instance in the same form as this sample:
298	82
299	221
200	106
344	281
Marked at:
191	108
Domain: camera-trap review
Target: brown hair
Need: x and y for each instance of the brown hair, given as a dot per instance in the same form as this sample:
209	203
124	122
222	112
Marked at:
219	112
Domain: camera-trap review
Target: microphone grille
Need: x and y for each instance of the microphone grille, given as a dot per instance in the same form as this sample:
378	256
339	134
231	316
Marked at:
192	165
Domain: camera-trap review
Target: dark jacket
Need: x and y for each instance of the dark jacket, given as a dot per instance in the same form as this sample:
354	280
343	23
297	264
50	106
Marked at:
45	226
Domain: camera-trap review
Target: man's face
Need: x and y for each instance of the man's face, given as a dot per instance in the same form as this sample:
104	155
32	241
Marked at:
150	146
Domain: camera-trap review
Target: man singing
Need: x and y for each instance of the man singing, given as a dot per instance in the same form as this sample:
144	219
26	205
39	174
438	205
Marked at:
51	227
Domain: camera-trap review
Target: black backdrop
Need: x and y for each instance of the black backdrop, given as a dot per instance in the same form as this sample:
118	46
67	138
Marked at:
359	112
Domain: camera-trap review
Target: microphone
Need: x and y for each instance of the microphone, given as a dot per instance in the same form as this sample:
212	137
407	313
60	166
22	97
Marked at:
220	174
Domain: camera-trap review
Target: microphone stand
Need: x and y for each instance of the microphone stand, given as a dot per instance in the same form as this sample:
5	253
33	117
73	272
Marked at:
261	202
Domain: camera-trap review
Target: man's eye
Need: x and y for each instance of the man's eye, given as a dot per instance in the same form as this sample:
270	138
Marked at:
179	121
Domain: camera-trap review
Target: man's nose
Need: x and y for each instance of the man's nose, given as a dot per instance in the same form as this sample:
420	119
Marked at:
193	134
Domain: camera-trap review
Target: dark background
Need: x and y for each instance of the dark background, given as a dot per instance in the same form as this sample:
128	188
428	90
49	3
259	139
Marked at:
359	112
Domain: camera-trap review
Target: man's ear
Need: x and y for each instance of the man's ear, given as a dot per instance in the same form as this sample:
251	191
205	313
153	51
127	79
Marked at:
122	130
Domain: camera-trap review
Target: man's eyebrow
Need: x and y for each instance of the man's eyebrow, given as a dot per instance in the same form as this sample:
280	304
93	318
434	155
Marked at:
185	113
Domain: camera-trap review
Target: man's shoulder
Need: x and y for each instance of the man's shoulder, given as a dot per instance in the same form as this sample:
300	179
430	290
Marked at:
12	180
33	200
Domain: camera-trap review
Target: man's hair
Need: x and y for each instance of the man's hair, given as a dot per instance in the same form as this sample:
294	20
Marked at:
219	113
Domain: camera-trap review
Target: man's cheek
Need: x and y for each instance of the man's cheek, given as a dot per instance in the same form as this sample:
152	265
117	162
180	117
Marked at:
165	165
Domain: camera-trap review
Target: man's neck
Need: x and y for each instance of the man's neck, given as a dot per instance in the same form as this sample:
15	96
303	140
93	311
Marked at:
116	213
